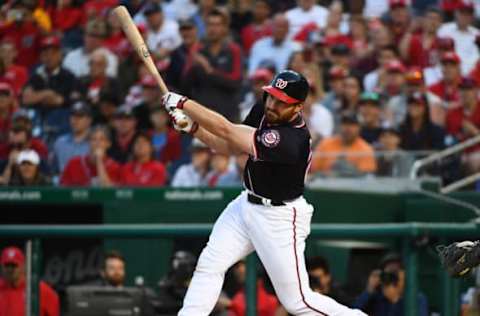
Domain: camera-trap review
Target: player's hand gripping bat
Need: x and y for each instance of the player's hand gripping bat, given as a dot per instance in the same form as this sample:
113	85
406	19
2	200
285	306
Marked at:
136	40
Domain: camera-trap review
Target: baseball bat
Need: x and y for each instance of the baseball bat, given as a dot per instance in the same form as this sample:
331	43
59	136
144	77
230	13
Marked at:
136	40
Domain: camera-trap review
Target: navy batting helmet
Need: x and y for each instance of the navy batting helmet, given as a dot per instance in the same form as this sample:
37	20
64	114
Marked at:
288	86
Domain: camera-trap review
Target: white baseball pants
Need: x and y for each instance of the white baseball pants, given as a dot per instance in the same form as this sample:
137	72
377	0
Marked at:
278	234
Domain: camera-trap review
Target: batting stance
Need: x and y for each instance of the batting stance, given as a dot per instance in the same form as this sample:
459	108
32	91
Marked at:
270	216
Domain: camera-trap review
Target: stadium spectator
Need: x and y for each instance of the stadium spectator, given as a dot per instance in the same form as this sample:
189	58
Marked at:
417	131
349	103
215	78
392	161
260	26
166	141
318	118
13	286
464	34
399	20
22	29
447	87
104	113
222	171
50	88
124	132
116	41
74	143
336	81
397	106
98	9
95	168
336	30
77	60
267	303
370	111
181	58
464	121
10	71
151	97
142	170
276	48
200	18
380	37
385	290
475	74
359	37
374	81
433	74
261	77
162	33
394	80
345	154
27	170
306	15
67	20
194	174
418	48
7	107
340	55
20	138
320	278
97	80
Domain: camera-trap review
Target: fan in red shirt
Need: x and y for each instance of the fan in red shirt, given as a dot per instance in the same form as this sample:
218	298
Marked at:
24	32
143	170
7	107
12	287
166	141
66	16
464	121
98	8
418	49
260	27
96	168
400	20
266	303
20	138
10	72
447	88
475	74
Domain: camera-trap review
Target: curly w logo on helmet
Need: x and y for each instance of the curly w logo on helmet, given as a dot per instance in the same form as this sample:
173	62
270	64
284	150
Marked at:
281	84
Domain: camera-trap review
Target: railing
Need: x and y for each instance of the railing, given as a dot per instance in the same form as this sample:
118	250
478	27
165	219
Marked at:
406	231
445	153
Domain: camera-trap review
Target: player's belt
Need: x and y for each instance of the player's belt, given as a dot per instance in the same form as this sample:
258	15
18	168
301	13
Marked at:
263	201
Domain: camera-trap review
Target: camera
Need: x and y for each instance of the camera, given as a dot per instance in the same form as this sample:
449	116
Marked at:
389	278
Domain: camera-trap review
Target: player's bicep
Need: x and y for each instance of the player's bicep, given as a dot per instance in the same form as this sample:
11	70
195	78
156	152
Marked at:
242	139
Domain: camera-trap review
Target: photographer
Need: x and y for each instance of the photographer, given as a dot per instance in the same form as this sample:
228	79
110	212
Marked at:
385	289
173	287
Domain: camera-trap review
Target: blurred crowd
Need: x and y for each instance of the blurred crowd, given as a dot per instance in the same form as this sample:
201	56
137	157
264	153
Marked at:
381	295
390	81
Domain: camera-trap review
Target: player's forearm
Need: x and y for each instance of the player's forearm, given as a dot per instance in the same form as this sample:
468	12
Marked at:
216	143
208	119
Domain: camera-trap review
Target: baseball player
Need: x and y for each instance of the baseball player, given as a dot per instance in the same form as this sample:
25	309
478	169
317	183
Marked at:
270	216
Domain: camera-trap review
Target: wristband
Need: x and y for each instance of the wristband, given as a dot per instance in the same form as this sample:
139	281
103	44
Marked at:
181	102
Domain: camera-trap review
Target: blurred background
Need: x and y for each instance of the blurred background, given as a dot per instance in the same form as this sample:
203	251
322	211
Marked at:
393	111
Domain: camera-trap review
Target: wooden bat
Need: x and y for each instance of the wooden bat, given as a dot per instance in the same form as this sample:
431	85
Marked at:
136	40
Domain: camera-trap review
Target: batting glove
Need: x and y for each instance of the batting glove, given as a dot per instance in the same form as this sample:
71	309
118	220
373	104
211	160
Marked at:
172	101
178	115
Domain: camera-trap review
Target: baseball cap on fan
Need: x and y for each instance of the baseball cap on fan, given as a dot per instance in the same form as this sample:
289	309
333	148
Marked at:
12	255
466	5
6	89
29	156
398	3
51	41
